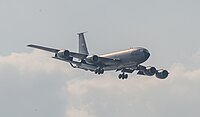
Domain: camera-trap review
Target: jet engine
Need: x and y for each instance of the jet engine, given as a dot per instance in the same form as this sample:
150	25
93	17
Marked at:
92	59
162	74
63	54
149	71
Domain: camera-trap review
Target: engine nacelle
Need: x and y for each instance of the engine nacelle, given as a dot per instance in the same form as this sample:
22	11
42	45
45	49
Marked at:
162	74
149	71
63	54
92	59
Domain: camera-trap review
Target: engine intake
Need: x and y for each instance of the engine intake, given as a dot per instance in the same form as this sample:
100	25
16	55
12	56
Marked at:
149	71
95	58
162	74
63	54
92	59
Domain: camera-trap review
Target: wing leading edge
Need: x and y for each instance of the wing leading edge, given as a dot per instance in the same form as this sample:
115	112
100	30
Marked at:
53	50
74	54
44	48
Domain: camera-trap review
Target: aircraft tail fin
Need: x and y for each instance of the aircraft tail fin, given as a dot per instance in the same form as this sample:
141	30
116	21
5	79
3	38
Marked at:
82	44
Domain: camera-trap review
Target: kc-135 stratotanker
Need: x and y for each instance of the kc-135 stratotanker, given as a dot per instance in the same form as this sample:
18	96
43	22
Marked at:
125	61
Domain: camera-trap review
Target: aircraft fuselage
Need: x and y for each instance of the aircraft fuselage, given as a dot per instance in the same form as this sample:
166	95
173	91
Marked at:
128	59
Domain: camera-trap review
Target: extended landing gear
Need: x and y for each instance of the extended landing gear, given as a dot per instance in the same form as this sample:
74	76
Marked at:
123	76
99	71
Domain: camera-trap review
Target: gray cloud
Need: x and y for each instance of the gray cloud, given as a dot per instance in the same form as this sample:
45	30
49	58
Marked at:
33	84
176	96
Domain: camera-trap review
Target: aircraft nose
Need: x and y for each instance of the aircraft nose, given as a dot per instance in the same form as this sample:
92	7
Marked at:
146	54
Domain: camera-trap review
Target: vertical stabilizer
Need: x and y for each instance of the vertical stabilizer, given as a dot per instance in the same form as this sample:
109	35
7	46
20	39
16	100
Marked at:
82	44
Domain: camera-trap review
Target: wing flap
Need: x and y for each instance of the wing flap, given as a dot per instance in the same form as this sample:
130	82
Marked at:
70	61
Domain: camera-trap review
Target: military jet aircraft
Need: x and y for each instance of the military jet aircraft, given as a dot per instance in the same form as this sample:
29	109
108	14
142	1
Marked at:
125	61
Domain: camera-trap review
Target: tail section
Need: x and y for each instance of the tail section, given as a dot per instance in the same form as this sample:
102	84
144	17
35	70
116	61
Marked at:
82	44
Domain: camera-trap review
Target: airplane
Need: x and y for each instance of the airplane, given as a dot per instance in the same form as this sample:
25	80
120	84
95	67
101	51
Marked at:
125	61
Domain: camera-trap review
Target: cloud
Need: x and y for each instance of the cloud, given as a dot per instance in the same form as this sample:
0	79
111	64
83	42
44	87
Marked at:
176	96
83	111
33	84
31	62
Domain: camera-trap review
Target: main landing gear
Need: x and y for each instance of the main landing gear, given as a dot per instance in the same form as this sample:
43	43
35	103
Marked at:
99	71
123	76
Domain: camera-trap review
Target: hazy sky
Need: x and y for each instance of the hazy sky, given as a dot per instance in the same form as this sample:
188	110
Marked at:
32	84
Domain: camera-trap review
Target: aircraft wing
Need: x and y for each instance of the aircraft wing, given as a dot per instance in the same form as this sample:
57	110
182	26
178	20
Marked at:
70	61
102	60
73	54
44	48
78	55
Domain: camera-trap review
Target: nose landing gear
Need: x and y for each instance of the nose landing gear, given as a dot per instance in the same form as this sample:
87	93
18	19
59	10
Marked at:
123	76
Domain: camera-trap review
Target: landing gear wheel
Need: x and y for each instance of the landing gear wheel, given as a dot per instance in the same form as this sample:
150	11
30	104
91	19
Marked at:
126	76
123	76
120	76
99	71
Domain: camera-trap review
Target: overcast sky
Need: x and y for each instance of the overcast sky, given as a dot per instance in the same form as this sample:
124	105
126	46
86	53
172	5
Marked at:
32	84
